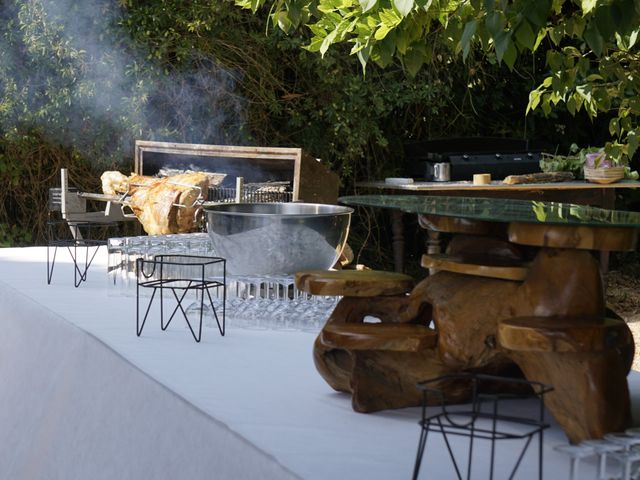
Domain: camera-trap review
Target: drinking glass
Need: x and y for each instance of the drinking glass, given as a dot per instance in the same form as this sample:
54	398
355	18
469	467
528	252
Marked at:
575	452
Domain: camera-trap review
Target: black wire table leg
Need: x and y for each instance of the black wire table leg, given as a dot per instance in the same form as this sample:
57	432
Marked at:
52	264
422	443
139	326
215	314
175	310
486	425
186	273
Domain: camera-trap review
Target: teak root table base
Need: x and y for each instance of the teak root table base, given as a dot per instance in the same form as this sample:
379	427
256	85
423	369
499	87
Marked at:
551	325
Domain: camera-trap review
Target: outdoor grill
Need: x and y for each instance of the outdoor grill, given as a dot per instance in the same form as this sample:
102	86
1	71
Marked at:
252	174
499	157
247	174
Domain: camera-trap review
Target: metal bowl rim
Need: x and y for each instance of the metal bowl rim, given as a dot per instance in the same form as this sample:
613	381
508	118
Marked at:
340	210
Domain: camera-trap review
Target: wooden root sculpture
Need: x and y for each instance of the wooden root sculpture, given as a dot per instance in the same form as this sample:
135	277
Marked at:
380	363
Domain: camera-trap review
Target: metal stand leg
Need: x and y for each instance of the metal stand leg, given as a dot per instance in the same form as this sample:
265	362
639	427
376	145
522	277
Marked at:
198	284
397	227
72	244
51	264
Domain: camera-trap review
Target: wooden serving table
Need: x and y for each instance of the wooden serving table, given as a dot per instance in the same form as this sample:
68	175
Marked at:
579	192
518	292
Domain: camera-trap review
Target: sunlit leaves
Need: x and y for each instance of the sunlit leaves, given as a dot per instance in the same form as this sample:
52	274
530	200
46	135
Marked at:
403	7
367	5
591	44
588	5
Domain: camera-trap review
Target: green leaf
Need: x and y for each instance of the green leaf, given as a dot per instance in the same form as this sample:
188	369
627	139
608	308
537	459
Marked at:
604	21
467	34
328	40
502	42
534	100
317	30
510	55
284	22
555	34
388	21
632	141
594	39
576	26
314	44
363	57
633	38
357	46
381	55
388	47
524	35
537	12
367	5
495	23
402	41
546	104
424	4
542	33
614	126
403	7
382	32
414	59
587	6
389	17
571	105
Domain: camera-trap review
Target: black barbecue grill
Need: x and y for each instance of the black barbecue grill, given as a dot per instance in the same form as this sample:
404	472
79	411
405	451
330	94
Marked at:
499	157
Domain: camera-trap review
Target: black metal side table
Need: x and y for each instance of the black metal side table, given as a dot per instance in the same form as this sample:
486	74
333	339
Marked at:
484	419
76	234
181	274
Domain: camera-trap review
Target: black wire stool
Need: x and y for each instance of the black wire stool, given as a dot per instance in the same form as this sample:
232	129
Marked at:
181	273
489	424
77	234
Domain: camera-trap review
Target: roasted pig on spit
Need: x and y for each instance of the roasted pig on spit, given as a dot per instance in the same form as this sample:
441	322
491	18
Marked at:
163	205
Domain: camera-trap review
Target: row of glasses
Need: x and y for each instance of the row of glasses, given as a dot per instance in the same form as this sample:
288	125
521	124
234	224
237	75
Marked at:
124	251
273	301
623	447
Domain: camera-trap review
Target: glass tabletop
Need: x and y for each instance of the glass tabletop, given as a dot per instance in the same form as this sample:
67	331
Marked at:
500	210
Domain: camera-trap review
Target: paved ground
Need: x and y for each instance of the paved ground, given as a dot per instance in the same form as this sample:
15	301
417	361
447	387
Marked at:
634	325
623	296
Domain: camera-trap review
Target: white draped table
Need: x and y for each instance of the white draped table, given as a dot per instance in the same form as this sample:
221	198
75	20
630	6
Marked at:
81	397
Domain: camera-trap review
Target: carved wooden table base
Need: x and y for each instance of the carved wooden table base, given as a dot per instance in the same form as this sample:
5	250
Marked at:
550	322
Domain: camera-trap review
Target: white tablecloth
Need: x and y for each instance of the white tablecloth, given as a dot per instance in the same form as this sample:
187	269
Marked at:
83	397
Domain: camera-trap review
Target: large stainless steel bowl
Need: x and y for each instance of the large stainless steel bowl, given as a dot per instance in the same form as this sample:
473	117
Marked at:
278	238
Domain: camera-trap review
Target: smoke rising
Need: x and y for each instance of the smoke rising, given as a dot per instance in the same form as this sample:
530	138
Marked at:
69	70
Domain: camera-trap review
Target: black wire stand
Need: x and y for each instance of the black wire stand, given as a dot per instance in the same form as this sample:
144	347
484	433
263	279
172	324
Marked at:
482	420
77	235
181	274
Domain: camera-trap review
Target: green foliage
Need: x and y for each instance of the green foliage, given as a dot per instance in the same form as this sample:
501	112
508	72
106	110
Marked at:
291	96
563	163
49	82
12	235
202	72
79	88
592	52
